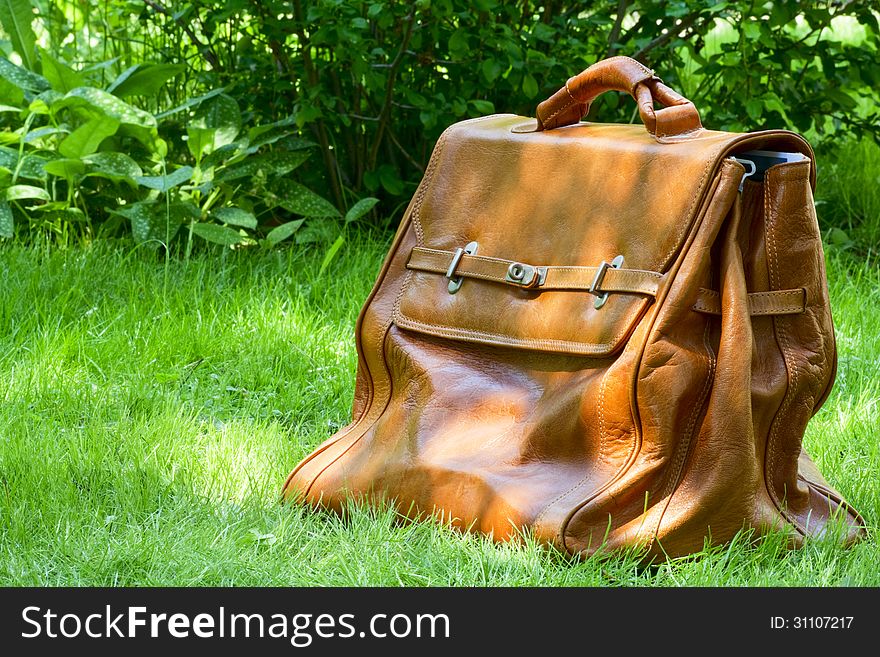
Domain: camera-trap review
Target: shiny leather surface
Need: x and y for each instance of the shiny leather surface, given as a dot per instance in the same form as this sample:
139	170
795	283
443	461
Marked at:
648	421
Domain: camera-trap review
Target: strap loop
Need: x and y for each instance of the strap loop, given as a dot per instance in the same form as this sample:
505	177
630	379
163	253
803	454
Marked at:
600	280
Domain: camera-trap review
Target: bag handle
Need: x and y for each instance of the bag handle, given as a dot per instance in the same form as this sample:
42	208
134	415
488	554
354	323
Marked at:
678	117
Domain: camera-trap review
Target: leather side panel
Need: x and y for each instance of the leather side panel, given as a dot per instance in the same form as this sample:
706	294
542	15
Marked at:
795	259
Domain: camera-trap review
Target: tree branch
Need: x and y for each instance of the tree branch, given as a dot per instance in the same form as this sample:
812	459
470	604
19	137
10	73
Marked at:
205	49
389	89
686	23
404	152
319	128
614	35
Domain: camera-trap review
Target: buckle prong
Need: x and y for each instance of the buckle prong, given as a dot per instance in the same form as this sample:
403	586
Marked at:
596	285
456	281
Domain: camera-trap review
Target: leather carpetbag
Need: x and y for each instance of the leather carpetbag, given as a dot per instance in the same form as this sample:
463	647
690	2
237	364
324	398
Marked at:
602	335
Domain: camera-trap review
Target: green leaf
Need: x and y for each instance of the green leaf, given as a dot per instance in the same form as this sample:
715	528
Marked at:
109	105
390	180
258	130
86	139
152	221
529	86
282	232
317	232
8	157
44	102
113	166
42	133
215	124
31	164
164	183
141	218
21	78
144	79
483	106
7	223
235	217
60	76
491	69
60	214
331	253
753	108
9	108
295	198
16	17
10	93
192	102
276	163
235	151
218	234
360	208
18	192
458	43
65	168
839	238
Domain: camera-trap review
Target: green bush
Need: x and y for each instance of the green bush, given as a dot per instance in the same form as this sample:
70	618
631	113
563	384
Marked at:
373	83
77	158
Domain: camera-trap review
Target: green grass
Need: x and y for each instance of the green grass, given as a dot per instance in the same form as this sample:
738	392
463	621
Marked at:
150	415
848	196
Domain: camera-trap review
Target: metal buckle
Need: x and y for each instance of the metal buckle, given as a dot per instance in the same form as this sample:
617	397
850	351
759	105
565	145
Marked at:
602	297
525	275
749	165
455	283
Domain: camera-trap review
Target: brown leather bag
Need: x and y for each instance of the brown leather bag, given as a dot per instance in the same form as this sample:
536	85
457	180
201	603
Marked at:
600	334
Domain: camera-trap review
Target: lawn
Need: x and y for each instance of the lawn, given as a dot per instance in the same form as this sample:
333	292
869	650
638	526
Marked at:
151	411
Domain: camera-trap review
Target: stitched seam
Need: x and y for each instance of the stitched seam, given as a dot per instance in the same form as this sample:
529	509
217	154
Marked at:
540	518
791	366
755	312
684	450
566	345
571	101
663	264
380	344
417	210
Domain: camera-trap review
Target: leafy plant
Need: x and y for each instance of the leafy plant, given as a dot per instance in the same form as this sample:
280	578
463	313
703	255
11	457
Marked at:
77	155
374	83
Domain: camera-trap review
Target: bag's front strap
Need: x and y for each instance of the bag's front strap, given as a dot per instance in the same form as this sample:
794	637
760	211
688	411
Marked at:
621	281
677	118
498	270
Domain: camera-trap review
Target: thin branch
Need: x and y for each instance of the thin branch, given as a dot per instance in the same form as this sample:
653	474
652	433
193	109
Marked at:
672	32
614	35
205	49
404	152
389	89
318	126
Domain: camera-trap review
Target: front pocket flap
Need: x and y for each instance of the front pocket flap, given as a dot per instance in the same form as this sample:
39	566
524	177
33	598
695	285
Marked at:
567	198
495	301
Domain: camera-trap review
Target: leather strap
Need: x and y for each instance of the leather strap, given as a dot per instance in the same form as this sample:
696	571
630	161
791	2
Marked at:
622	281
677	119
628	281
774	302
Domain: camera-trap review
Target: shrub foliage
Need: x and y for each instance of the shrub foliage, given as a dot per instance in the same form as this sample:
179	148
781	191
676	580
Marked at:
371	84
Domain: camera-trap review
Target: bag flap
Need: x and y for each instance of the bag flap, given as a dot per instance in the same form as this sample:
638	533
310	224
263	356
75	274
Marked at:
569	197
